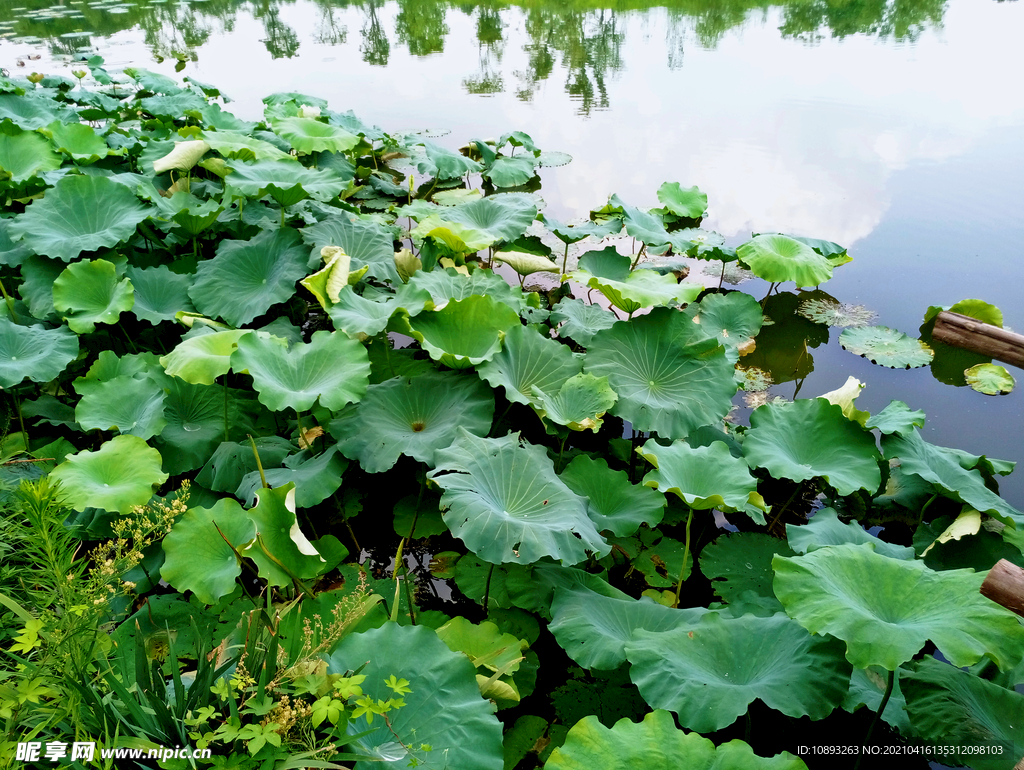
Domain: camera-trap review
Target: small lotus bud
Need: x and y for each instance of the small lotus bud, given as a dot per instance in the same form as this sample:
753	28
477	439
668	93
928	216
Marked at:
79	73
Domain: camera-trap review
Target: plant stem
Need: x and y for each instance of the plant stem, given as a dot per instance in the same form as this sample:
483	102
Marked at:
10	302
561	449
487	588
565	258
782	510
298	420
224	383
878	714
924	508
21	420
746	729
686	556
721	278
398	587
259	465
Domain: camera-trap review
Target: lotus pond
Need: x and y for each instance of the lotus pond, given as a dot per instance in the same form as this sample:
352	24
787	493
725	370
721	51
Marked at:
331	445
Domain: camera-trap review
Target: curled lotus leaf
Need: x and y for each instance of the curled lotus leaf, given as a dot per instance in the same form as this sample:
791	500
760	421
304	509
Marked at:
703	477
580	321
367	243
613	503
530	360
307	135
35	352
897	417
990	379
281	550
183	157
464	332
444	164
825	529
886	347
526	264
286	181
201	360
778	258
120	475
88	292
608	271
580	404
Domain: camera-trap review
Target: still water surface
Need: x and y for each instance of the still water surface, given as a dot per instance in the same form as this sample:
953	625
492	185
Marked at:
894	128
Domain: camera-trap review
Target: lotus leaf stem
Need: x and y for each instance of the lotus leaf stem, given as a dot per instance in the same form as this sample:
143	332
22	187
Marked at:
686	556
782	510
259	465
10	302
398	586
881	707
565	257
224	382
487	588
925	507
721	278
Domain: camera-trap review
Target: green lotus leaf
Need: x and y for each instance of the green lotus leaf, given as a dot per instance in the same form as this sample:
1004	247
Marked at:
190	213
327	282
886	347
31	113
457	237
526	264
247	278
308	135
78	140
845	398
80	213
200	550
195	417
990	379
812	438
120	475
124	403
709	674
580	321
943	468
232	461
594	629
825	529
733	319
741	564
26	155
160	293
281	550
777	258
464	332
367	243
530	360
897	417
443	709
286	181
35	352
173	105
183	157
201	360
953	708
503	499
664	384
831	312
356	314
649	228
88	293
886	609
580	404
236	144
448	284
688	202
109	365
455	197
613	503
504	216
656	742
484	644
702	477
11	254
575	233
511	172
414	416
332	368
444	164
315	477
972	308
608	271
867	687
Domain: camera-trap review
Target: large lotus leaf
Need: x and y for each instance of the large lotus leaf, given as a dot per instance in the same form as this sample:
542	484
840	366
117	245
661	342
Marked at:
286	181
109	365
886	347
195	417
825	529
30	113
511	172
568	234
649	228
631	291
613	503
444	708
503	499
525	263
81	213
990	379
954	708
742	562
316	477
281	551
580	321
530	360
414	416
122	474
457	237
200	360
332	368
687	202
594	629
124	403
886	609
464	332
88	293
308	135
444	164
897	417
702	477
34	352
580	404
734	319
246	278
78	140
200	550
367	243
174	105
26	155
942	467
160	293
235	144
505	216
656	742
664	384
777	258
356	314
709	674
232	461
484	644
811	438
11	254
448	284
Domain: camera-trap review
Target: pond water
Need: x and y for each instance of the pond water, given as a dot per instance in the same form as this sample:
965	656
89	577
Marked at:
889	127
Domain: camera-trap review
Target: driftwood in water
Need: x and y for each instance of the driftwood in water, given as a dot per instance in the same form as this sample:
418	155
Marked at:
1004	585
961	331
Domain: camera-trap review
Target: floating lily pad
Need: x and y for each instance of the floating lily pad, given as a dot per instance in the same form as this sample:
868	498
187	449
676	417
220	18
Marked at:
835	313
886	347
990	379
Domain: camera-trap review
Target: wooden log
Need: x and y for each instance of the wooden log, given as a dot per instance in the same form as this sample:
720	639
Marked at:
961	331
1004	585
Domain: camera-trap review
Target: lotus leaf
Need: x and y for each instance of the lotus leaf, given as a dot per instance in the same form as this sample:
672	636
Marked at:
464	332
367	243
702	477
648	227
236	144
174	105
504	216
613	503
200	550
825	529
444	164
332	368
734	319
663	383
35	352
196	416
30	114
777	258
580	404
281	550
160	293
316	477
503	499
78	140
80	213
309	135
897	417
231	461
88	293
200	360
443	708
456	196
511	172
355	314
630	291
327	282
886	609
11	254
448	284
526	264
990	379
886	347
812	438
122	474
710	673
688	202
286	181
123	403
412	416
530	360
742	562
183	157
867	687
831	312
26	155
580	321
484	644
972	308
